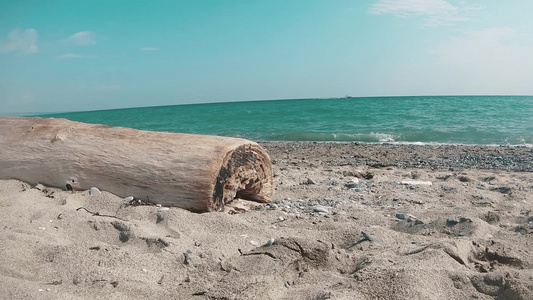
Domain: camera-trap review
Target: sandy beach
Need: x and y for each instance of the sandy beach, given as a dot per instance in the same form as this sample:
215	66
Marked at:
348	221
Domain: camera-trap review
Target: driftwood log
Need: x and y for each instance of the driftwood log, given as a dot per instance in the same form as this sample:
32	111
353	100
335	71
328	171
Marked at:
197	172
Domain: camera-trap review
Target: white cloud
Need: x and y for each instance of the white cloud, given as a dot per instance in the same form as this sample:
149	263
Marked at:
82	38
24	41
494	60
435	12
149	49
475	46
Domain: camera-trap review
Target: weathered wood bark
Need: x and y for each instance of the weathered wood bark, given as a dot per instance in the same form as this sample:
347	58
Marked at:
196	172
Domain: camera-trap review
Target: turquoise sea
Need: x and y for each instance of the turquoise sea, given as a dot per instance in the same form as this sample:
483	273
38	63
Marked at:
494	120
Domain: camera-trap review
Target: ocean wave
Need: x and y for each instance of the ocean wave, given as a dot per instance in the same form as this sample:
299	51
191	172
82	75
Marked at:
376	138
383	137
373	137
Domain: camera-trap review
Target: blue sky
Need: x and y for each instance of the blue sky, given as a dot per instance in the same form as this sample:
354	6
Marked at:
86	55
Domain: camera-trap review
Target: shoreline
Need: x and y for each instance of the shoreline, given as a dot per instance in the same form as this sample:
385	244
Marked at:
397	143
505	158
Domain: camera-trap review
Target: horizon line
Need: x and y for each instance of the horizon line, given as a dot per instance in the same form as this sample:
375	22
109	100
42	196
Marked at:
33	114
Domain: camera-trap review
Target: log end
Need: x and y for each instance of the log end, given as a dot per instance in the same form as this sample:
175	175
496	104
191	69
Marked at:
246	173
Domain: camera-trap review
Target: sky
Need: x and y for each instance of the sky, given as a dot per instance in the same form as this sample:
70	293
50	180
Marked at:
77	55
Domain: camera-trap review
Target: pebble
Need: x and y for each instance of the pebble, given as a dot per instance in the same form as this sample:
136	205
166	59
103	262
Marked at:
40	187
270	242
187	257
416	182
402	216
164	208
357	186
451	221
367	236
319	209
504	190
94	191
129	199
492	217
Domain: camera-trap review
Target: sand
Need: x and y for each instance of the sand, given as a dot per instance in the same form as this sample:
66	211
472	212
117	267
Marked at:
348	221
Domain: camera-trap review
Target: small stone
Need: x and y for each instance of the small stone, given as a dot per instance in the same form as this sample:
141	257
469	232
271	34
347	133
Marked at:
310	181
402	216
164	208
504	190
272	206
94	191
354	185
270	242
320	209
187	257
492	217
451	221
416	182
367	237
464	179
129	199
